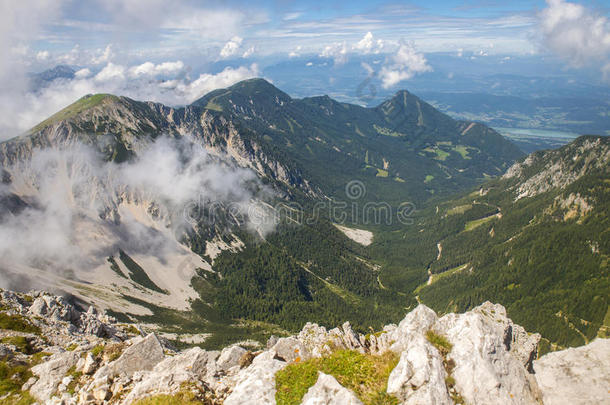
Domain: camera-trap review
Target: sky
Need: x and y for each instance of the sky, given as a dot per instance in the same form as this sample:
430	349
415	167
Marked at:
175	51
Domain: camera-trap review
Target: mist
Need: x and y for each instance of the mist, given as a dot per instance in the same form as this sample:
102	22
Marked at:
81	209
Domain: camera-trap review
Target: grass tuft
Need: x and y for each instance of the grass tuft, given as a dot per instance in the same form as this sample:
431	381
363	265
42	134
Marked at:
366	375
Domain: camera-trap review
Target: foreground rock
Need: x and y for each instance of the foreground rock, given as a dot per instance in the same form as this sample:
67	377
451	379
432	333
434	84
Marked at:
479	357
327	390
576	376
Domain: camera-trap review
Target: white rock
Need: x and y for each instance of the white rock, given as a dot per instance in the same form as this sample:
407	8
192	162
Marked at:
576	376
327	391
50	374
89	364
419	376
189	366
255	385
145	354
416	323
230	356
485	372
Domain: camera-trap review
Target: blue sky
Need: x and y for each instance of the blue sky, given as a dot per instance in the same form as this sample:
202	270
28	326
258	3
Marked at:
174	51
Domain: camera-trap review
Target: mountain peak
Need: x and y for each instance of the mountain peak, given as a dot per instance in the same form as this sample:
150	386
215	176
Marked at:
83	104
257	89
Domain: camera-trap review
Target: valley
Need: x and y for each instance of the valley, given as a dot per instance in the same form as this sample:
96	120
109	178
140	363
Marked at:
278	211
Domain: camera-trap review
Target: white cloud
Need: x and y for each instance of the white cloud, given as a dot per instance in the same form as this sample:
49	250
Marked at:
42	56
150	69
71	186
309	64
231	47
111	72
292	16
248	52
82	74
25	108
337	52
403	65
367	44
575	33
104	56
296	53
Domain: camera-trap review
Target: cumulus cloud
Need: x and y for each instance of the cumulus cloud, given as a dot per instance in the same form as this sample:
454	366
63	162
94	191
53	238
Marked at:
151	70
403	65
231	47
575	33
104	56
367	44
337	52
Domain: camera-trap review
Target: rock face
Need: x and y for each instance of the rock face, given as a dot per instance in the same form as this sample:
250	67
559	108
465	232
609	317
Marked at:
255	384
142	355
327	390
51	373
480	357
419	377
576	376
489	366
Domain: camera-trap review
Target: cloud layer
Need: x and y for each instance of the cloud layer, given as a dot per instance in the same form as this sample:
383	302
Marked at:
70	190
575	33
166	82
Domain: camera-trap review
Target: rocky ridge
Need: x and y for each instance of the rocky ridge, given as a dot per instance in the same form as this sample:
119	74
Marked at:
479	357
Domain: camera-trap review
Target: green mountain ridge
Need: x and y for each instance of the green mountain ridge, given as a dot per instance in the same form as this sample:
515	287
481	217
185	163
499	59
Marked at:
533	240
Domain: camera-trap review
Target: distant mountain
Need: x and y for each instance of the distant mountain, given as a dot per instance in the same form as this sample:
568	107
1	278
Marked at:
44	78
147	264
536	240
404	149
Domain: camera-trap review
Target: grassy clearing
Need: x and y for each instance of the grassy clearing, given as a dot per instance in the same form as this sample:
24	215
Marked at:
462	150
366	375
382	173
470	225
81	105
460	209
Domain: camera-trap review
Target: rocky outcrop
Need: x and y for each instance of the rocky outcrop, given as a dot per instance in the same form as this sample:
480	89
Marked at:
255	385
576	376
486	370
543	171
478	357
419	377
327	390
51	373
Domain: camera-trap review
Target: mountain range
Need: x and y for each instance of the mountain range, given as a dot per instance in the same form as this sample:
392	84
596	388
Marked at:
185	217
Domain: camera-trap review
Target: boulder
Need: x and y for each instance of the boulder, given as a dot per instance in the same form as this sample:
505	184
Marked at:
576	376
255	385
143	354
51	373
168	376
419	376
328	391
229	357
291	349
486	371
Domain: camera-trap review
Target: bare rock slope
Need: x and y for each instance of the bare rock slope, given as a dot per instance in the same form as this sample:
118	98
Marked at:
480	357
